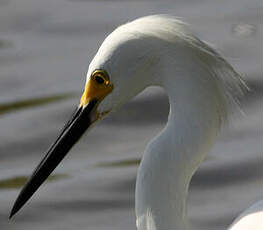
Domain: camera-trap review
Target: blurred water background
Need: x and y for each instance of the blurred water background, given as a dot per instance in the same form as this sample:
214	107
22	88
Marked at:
45	49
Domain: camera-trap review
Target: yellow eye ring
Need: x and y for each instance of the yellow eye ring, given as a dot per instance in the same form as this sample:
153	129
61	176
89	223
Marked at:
100	77
98	86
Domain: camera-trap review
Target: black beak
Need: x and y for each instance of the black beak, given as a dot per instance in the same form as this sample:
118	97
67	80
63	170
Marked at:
71	133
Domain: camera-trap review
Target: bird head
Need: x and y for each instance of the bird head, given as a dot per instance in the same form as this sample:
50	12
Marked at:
123	66
121	69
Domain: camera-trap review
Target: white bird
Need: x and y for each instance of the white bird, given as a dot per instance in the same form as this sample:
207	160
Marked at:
203	90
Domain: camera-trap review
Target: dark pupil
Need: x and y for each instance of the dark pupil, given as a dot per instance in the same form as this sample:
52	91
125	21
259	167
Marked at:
99	79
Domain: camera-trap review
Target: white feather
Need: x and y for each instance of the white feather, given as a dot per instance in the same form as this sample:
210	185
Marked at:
203	90
152	34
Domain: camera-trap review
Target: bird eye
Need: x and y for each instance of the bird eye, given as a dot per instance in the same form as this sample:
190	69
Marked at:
99	79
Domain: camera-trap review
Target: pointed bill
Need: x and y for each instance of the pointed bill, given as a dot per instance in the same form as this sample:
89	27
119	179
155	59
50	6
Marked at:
71	133
97	88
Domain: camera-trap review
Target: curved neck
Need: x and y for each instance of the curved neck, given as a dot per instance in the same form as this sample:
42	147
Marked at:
173	156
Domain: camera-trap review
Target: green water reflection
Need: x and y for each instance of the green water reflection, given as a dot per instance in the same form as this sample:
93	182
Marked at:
19	181
121	163
33	102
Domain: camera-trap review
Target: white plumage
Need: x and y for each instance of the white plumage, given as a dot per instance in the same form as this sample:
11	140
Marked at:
203	90
147	41
250	219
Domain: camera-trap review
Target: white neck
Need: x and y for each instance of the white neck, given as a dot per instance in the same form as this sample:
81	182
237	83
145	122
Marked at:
173	156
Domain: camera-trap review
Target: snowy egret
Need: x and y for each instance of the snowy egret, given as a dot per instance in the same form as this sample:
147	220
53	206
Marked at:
203	90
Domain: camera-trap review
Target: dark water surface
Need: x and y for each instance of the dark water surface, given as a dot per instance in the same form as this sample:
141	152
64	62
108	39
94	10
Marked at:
45	49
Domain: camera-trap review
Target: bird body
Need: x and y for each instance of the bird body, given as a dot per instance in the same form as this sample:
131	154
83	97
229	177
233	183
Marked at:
250	218
203	91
